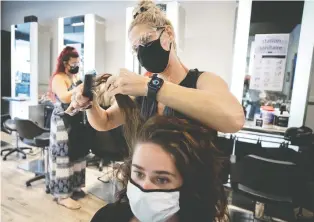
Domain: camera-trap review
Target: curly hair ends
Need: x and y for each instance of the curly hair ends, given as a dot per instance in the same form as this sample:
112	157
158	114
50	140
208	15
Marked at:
202	196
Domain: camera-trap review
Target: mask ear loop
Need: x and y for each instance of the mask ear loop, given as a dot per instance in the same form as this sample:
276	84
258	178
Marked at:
161	33
160	37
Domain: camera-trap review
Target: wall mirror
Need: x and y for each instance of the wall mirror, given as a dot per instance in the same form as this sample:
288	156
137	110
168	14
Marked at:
271	58
22	60
271	64
73	35
86	33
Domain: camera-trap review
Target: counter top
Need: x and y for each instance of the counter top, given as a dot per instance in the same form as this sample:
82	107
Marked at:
17	99
263	130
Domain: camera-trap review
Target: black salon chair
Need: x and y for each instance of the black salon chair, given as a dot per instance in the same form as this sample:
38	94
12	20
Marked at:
265	181
47	113
3	129
306	197
243	148
108	147
225	146
10	126
33	135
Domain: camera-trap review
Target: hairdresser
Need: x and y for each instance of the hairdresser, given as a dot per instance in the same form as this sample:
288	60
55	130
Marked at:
67	149
174	90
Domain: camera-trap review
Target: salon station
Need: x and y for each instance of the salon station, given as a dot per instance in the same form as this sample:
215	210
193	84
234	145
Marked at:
269	69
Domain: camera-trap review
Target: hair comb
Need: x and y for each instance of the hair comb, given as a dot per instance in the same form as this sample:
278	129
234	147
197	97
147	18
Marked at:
142	9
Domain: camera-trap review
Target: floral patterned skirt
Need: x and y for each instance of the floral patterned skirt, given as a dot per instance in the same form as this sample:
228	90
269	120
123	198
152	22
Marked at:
63	176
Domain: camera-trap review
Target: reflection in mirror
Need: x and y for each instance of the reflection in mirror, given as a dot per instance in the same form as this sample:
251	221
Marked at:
73	35
270	64
22	58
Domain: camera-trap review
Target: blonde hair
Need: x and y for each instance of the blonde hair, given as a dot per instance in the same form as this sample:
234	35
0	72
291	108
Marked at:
102	98
148	13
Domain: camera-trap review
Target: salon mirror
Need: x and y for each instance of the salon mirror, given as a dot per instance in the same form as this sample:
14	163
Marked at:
271	62
22	60
73	35
86	33
271	58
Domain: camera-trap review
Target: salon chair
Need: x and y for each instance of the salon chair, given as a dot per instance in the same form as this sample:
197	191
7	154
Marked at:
10	126
225	146
243	148
3	129
266	181
108	147
48	109
305	199
33	135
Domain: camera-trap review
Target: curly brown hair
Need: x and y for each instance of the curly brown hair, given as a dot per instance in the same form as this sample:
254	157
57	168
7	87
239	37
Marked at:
202	197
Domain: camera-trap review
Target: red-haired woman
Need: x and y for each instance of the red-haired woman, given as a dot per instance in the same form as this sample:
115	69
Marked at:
66	175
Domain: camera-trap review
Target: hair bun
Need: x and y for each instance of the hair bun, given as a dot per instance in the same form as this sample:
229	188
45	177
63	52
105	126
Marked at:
146	4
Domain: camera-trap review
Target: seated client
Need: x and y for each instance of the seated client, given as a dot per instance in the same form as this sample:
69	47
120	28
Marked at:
171	176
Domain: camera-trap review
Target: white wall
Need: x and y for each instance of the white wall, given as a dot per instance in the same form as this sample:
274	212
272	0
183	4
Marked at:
208	33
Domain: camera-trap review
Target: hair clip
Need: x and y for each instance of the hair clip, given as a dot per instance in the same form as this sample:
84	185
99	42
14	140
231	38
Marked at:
142	9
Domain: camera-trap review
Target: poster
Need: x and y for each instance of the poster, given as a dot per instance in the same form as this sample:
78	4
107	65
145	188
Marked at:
269	62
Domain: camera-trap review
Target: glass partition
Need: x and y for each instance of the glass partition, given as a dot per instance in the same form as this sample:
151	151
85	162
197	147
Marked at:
22	58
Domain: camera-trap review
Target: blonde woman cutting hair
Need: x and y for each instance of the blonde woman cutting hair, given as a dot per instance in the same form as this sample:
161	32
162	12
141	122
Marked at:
173	90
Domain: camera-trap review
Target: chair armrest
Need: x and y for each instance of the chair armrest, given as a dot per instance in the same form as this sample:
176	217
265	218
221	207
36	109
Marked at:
47	130
3	129
42	140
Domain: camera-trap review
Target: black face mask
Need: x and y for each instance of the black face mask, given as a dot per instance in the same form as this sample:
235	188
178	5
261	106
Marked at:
153	57
74	69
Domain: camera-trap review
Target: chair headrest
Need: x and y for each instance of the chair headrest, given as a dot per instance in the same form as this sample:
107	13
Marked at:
298	135
27	129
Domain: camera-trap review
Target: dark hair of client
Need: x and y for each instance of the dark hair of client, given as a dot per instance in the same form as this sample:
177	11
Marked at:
202	197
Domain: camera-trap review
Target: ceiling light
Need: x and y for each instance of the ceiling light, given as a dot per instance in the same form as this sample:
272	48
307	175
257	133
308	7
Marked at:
77	24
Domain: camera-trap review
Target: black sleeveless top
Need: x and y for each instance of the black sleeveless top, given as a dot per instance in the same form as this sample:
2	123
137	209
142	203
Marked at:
149	109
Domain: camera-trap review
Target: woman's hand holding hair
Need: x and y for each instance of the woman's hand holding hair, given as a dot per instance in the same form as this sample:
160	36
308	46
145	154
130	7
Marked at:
127	83
78	101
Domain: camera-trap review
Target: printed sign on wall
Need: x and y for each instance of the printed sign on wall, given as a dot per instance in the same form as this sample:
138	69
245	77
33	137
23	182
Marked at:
269	61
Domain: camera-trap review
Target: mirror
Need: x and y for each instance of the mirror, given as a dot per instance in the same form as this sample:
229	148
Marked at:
266	58
22	60
86	33
73	35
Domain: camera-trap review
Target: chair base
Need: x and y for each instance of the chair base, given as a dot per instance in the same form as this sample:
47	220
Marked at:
259	212
13	150
3	143
37	177
98	162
